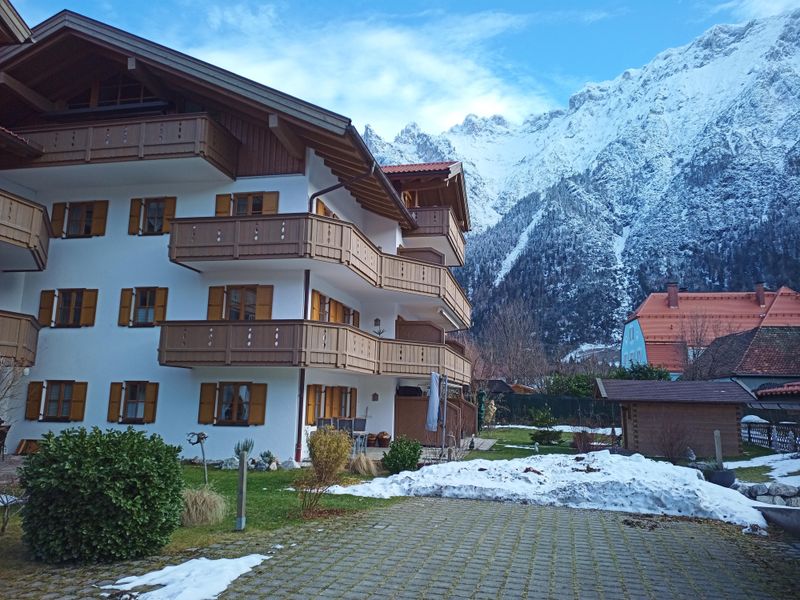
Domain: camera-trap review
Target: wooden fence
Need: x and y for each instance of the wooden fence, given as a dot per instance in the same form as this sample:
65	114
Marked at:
782	438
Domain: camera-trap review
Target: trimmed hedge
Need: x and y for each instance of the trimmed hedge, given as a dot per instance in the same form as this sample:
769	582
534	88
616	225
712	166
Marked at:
100	496
403	455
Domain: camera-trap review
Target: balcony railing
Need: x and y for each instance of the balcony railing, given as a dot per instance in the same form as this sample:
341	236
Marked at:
439	221
19	335
25	225
301	235
176	136
303	344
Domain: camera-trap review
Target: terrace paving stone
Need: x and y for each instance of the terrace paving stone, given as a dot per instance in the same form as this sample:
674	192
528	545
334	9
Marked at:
440	548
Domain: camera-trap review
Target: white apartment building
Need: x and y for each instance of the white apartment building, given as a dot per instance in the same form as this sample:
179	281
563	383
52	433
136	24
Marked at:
183	250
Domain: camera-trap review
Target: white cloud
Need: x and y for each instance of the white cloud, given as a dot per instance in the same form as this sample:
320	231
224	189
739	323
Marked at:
386	71
756	9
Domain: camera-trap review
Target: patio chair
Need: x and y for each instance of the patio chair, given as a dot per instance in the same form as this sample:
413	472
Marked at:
345	425
325	422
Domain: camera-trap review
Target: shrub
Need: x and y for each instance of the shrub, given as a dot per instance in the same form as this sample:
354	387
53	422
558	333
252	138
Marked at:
329	450
403	455
203	506
361	465
543	419
584	441
95	496
673	441
246	444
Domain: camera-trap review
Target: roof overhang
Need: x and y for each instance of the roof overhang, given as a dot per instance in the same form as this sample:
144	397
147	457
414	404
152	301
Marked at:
329	134
18	145
13	29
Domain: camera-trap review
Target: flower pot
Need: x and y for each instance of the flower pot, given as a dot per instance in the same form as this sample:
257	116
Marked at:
383	439
723	477
372	440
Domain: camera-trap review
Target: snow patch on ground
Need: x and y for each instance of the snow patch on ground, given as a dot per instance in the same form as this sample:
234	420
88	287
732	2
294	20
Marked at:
754	419
598	480
568	428
583	351
196	579
781	465
511	258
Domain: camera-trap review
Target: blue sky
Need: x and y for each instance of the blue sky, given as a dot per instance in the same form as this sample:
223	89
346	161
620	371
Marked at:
433	62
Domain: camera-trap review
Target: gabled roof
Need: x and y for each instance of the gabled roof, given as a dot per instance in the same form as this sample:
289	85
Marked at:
708	315
330	135
420	167
692	392
789	389
762	351
13	29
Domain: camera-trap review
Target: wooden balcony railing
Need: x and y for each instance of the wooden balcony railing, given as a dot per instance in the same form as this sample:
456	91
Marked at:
174	136
23	224
439	220
303	344
301	235
19	335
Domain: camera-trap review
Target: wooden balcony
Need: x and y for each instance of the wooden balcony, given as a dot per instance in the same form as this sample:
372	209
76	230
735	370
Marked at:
19	335
24	234
194	241
303	344
439	229
174	136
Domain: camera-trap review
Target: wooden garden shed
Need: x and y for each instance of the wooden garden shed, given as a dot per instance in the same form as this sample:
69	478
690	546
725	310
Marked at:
657	413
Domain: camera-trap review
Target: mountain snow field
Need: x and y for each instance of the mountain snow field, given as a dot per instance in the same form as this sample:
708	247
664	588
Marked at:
598	480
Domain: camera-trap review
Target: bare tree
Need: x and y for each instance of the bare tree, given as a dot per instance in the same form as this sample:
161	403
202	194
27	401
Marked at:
10	379
699	330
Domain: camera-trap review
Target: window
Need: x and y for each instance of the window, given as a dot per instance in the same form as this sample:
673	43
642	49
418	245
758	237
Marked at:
82	219
151	216
56	401
142	307
327	402
323	210
117	90
233	403
240	303
243	204
132	402
73	308
329	310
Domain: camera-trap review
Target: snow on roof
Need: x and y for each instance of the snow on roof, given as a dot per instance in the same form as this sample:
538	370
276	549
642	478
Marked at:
419	167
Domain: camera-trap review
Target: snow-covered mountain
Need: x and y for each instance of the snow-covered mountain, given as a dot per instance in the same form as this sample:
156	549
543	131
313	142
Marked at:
687	168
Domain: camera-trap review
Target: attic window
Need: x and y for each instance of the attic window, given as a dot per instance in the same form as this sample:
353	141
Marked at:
118	90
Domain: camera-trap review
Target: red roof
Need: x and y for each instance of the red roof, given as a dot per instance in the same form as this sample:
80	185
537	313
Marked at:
701	317
789	389
419	168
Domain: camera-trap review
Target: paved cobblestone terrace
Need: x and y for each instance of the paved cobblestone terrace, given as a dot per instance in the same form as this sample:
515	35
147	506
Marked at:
435	548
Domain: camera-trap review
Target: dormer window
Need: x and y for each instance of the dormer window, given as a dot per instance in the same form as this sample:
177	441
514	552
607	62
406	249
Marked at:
118	90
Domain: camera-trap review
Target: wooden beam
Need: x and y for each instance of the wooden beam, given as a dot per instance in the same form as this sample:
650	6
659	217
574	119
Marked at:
30	96
293	144
143	75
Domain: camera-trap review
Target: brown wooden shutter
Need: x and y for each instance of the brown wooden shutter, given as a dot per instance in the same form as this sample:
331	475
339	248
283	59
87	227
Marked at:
316	301
125	303
135	217
311	404
160	312
99	215
46	300
336	312
169	213
356	319
353	402
320	209
88	307
216	298
258	404
77	407
34	401
58	211
270	203
223	206
263	302
150	399
208	397
114	402
331	402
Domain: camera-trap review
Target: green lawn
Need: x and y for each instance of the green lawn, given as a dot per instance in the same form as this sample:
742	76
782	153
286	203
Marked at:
754	474
269	506
516	437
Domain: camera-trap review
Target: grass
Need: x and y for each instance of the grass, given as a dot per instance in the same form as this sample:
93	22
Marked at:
754	474
269	506
517	437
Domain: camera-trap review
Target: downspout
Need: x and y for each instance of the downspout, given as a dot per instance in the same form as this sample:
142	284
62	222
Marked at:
301	383
341	184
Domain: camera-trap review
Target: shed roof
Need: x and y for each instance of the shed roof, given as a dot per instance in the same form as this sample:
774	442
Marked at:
692	392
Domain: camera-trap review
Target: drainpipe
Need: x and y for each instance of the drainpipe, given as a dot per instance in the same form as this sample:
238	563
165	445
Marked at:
341	184
301	385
